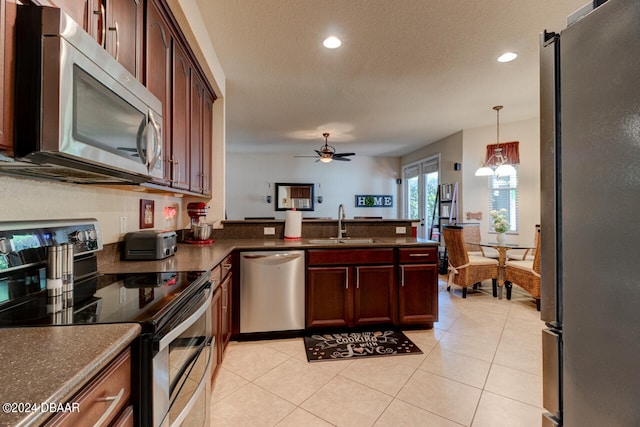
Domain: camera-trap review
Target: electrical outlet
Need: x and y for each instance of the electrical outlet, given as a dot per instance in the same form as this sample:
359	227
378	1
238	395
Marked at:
269	231
123	224
401	230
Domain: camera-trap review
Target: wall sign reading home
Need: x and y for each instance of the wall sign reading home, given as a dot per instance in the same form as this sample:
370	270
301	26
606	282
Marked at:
374	201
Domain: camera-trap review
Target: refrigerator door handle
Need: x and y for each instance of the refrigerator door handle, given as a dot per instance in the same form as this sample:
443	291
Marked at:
552	376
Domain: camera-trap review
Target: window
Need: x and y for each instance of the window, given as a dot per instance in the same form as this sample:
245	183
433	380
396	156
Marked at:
503	193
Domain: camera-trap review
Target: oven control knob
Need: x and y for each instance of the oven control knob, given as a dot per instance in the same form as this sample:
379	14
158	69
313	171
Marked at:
167	251
92	235
77	237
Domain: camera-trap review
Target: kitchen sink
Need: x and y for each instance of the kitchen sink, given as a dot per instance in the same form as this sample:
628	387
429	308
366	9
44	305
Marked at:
343	241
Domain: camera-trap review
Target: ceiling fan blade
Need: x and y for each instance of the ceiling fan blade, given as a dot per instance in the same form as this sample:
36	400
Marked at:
344	159
307	156
343	154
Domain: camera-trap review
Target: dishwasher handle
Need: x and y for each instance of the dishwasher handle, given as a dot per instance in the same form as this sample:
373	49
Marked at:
275	256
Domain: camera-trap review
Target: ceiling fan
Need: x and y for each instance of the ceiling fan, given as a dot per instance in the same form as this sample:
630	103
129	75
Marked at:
327	153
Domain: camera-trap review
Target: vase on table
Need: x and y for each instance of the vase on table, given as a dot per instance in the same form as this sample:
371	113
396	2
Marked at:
501	238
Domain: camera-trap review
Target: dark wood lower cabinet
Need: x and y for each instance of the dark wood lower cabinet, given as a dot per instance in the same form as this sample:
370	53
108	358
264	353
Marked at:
352	294
418	294
374	295
358	287
418	286
216	308
329	300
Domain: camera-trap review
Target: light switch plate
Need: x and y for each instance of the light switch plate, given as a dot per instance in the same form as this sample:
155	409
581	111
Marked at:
269	231
401	230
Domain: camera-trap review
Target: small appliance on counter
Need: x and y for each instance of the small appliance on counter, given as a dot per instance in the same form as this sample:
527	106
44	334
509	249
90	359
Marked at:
149	245
201	231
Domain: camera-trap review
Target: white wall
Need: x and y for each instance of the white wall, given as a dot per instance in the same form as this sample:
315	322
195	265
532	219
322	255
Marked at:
247	177
476	197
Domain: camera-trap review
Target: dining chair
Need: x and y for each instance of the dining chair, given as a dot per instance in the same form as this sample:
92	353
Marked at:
525	273
524	254
466	270
471	233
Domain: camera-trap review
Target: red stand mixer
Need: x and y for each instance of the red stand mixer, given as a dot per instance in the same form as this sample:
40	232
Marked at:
201	231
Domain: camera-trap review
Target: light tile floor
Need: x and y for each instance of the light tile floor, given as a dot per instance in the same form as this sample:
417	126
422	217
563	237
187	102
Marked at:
481	366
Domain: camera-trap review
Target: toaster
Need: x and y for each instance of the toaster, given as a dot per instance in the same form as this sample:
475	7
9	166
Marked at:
149	245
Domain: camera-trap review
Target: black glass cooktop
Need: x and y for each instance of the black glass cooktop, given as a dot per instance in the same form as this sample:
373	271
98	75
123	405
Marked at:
144	298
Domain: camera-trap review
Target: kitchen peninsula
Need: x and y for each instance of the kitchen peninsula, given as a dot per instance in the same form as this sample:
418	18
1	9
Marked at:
409	285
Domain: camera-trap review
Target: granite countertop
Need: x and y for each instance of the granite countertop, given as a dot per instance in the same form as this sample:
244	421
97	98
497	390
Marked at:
50	364
195	257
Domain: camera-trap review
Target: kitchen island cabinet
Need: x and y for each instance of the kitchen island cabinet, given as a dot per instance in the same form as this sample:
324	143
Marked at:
418	286
350	287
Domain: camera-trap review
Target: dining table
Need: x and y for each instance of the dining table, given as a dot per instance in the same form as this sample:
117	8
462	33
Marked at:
502	249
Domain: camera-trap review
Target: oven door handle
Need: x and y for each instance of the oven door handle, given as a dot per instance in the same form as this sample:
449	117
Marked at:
186	324
201	388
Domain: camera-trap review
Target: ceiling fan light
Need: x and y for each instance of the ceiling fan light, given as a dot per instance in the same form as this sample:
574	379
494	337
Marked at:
325	159
484	171
507	57
332	42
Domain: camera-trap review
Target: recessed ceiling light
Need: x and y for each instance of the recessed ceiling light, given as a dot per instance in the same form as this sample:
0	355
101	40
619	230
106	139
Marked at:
507	57
332	42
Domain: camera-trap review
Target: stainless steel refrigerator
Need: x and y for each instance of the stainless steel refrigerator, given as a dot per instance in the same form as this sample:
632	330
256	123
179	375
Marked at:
590	217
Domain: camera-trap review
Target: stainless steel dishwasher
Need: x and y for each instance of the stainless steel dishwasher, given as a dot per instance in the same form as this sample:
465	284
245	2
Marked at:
271	291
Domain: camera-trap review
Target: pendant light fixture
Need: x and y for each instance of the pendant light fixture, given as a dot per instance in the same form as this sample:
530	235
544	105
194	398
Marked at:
497	164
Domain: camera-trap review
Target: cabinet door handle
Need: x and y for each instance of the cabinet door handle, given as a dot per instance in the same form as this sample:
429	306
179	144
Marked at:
115	29
173	170
346	282
114	404
402	276
418	255
100	13
357	277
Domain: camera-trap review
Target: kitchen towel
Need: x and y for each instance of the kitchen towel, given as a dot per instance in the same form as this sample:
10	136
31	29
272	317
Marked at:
293	225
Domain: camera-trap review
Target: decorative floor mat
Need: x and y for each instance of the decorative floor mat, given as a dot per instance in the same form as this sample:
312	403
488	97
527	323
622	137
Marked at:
352	345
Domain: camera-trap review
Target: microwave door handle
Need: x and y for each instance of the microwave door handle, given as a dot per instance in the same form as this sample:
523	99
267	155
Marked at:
142	150
157	137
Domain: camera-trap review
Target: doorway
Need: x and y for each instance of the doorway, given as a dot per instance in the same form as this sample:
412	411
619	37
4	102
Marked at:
421	181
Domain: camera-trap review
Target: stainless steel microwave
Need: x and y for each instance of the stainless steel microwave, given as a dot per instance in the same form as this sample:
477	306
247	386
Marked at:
80	115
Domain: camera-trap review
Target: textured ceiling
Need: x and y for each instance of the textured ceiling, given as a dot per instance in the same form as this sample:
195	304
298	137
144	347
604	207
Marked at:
409	72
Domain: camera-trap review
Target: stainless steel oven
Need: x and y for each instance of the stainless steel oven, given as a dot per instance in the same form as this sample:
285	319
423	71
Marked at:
182	365
172	358
80	113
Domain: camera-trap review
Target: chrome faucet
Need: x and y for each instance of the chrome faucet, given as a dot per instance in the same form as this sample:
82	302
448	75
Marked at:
341	216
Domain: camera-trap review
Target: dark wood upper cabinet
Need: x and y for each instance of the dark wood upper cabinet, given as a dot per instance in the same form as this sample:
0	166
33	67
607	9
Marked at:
124	28
197	89
159	40
144	36
78	10
180	119
207	138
